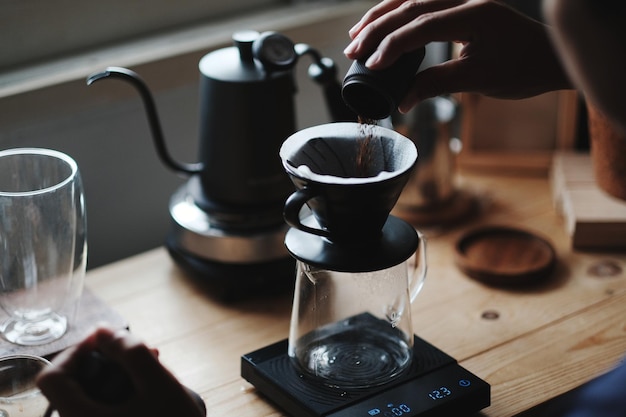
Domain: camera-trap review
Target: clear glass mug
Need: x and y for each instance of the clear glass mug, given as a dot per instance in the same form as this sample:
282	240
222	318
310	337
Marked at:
354	329
43	244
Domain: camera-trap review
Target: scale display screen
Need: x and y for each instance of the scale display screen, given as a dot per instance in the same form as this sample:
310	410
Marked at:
441	389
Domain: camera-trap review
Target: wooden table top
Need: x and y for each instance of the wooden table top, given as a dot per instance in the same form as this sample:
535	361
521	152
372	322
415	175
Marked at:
530	344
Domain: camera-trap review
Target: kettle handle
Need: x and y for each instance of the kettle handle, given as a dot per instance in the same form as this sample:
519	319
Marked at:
157	133
324	72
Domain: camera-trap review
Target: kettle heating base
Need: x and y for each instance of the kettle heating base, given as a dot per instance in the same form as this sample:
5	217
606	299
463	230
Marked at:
230	281
435	385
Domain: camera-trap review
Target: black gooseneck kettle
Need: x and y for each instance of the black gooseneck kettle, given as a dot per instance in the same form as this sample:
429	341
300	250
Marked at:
227	222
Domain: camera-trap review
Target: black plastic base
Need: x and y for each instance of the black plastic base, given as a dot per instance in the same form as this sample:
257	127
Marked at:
434	385
232	282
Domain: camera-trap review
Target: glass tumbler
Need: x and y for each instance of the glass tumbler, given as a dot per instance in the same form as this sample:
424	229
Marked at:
43	246
19	396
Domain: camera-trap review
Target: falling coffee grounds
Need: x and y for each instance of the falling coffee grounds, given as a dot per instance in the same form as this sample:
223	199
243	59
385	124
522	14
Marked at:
365	155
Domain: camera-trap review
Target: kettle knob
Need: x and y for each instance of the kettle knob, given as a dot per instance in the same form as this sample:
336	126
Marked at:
275	51
243	40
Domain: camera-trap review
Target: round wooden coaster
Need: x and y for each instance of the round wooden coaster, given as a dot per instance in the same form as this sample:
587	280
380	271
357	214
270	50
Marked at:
505	256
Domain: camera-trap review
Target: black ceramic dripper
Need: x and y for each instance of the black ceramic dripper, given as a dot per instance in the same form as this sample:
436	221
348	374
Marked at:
350	176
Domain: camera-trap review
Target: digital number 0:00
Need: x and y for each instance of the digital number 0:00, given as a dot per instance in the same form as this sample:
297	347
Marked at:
397	411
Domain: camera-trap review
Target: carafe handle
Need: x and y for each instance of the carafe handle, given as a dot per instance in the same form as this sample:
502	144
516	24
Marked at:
420	268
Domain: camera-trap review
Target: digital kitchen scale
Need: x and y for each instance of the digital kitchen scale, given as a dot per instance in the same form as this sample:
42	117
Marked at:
434	385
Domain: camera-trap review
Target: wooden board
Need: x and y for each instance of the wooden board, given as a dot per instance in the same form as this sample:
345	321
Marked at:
531	344
516	136
593	218
91	311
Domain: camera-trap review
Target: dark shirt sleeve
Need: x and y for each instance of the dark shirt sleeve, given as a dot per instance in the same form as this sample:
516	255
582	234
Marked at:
604	396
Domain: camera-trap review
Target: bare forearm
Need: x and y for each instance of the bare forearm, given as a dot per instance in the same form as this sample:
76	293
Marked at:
505	54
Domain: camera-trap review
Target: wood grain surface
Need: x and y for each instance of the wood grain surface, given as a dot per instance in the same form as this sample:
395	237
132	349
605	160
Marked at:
530	343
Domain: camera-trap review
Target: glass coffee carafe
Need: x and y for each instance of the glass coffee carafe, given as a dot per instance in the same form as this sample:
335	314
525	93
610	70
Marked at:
358	268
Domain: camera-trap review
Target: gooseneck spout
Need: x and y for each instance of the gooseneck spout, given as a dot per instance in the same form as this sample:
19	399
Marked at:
153	119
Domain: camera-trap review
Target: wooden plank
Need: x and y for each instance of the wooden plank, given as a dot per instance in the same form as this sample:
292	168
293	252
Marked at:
593	218
554	359
545	363
506	162
529	343
567	119
516	136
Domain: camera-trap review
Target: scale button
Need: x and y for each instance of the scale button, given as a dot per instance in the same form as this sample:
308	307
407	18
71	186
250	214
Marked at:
465	382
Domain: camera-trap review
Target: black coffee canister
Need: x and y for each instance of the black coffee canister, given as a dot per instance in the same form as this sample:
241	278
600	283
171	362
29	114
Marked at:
376	94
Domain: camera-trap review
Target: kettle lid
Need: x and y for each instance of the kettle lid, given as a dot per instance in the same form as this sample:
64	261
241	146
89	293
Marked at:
254	57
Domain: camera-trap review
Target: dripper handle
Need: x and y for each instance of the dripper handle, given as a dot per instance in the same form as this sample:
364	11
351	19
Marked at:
419	269
294	204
